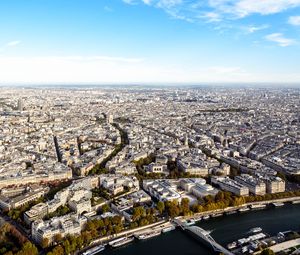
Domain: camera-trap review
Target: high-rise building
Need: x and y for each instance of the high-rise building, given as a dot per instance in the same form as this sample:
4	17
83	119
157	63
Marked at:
110	118
20	105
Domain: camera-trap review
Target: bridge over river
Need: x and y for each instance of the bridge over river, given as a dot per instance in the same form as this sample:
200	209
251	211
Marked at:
203	236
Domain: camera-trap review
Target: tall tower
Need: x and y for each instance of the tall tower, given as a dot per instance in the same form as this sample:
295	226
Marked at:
110	118
186	140
20	105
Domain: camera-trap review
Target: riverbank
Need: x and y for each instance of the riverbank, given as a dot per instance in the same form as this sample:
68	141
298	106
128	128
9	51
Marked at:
224	230
236	208
107	239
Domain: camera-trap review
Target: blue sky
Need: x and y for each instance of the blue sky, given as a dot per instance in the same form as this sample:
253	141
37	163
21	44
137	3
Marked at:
149	41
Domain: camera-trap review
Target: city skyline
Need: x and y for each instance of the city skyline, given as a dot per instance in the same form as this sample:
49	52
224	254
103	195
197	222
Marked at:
149	41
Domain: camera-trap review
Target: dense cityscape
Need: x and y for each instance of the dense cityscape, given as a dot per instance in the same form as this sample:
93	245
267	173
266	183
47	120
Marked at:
85	169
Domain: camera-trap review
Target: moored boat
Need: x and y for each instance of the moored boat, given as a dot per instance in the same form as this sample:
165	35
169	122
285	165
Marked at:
244	209
255	230
296	202
232	245
278	204
230	212
206	217
257	207
121	241
190	222
168	229
215	215
148	235
94	250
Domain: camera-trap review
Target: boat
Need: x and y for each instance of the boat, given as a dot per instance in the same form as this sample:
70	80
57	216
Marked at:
168	229
257	207
230	212
296	202
278	204
121	241
255	230
148	235
216	215
94	250
244	209
198	218
190	222
206	217
231	246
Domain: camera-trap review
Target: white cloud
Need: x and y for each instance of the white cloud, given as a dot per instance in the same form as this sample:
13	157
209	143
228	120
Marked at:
148	2
280	39
129	1
217	10
12	43
252	29
243	8
211	16
294	20
247	7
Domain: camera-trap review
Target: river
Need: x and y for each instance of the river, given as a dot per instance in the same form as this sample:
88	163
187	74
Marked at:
225	229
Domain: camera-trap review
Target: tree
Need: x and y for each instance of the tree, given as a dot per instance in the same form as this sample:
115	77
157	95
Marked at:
267	252
67	247
45	243
28	249
105	208
160	206
185	206
58	250
58	238
172	208
138	212
8	253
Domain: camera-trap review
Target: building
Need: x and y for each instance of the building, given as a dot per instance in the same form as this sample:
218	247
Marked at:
8	203
191	167
20	105
162	190
110	118
156	168
275	184
70	224
227	184
255	186
197	187
35	213
125	203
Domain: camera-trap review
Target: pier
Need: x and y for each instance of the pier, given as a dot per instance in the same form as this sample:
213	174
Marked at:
204	236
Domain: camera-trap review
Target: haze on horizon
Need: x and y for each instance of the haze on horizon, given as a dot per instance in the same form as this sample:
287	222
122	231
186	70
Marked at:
149	41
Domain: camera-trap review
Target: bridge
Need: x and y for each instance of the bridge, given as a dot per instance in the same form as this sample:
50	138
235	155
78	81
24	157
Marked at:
204	236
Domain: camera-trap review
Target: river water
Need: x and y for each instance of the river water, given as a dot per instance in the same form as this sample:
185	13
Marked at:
224	230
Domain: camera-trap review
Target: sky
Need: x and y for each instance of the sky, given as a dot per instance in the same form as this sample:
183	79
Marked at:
149	41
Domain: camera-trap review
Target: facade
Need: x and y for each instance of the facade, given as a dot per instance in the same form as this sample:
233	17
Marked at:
19	180
255	186
162	190
275	185
156	168
70	224
227	184
197	187
197	168
7	203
